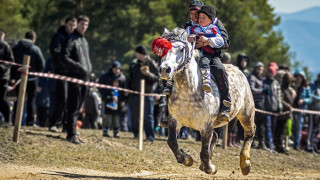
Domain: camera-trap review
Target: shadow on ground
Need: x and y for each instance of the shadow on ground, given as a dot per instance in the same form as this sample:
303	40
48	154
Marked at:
78	176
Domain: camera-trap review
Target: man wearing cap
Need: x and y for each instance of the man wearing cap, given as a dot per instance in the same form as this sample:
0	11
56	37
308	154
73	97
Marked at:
107	95
256	84
146	69
242	63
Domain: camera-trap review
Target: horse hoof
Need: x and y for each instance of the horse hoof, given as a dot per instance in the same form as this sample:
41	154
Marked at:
212	170
245	169
188	160
201	167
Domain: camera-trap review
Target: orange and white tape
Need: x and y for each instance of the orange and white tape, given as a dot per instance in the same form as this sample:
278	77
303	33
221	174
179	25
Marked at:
87	83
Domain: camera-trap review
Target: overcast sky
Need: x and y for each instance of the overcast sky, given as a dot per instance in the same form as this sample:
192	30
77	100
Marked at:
289	6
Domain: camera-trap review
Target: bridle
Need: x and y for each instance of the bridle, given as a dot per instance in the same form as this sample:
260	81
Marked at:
186	58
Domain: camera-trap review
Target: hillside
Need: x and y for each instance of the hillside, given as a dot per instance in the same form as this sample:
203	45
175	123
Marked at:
301	32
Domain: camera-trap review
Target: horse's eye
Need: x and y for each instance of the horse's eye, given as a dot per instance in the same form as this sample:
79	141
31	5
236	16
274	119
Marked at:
181	50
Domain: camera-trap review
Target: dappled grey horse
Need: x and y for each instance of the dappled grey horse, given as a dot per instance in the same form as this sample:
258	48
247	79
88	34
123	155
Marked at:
190	106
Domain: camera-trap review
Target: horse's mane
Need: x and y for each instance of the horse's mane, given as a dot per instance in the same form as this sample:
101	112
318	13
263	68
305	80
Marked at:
182	35
176	34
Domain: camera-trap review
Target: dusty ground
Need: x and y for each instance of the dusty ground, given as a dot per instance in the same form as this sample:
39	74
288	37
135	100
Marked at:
45	155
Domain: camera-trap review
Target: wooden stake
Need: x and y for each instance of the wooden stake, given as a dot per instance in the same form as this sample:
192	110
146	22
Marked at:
141	118
21	96
225	137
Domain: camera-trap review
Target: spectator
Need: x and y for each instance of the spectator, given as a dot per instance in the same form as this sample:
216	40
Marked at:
272	102
226	58
301	101
256	85
27	47
287	97
76	62
91	106
242	63
6	55
314	124
114	100
58	117
146	69
43	97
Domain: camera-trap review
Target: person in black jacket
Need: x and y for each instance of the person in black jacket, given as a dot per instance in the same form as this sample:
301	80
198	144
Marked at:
27	47
76	63
146	69
6	55
58	115
114	100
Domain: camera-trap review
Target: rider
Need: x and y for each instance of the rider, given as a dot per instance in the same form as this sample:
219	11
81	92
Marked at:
217	68
194	7
210	35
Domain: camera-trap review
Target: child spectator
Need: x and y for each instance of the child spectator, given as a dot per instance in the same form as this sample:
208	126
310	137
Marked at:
114	99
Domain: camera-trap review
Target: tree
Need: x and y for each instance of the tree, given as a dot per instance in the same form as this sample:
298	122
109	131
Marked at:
117	27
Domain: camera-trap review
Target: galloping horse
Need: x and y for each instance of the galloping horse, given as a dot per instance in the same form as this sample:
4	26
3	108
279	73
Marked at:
190	106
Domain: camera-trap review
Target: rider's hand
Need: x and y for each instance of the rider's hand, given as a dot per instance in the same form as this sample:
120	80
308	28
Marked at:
199	44
192	38
204	40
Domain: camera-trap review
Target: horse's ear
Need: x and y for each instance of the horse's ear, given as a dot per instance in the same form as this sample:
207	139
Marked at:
166	31
183	36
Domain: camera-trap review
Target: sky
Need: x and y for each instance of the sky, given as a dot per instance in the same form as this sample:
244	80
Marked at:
289	6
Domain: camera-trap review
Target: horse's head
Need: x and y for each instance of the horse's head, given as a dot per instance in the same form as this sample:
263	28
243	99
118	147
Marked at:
174	50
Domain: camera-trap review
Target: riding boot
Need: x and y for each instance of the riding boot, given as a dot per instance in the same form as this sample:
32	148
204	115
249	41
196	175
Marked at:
168	87
206	84
220	75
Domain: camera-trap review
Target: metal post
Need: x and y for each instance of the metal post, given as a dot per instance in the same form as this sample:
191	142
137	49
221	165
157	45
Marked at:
21	96
141	118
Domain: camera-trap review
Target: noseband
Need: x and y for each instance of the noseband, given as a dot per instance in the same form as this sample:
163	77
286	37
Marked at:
186	55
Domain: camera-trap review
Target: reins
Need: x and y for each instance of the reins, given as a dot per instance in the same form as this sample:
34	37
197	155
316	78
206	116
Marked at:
187	56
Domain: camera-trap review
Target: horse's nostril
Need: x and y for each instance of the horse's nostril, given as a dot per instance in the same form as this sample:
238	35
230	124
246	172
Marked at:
168	70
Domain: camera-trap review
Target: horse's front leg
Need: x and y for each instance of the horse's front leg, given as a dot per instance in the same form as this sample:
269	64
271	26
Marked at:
208	139
181	156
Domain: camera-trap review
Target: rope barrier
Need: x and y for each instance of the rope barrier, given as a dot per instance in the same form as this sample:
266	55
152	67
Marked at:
92	84
74	80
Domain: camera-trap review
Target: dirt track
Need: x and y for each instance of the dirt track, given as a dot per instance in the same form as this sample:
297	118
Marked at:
44	155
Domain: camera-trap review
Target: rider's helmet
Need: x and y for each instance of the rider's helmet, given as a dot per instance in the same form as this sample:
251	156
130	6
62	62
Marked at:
195	5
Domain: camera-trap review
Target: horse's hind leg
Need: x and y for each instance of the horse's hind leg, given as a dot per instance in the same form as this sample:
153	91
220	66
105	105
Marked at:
181	156
249	127
208	137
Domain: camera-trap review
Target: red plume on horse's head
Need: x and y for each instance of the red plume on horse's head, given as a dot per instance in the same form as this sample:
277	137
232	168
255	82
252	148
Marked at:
161	46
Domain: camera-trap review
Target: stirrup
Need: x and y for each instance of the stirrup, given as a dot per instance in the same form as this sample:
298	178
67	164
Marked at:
224	111
226	103
166	91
